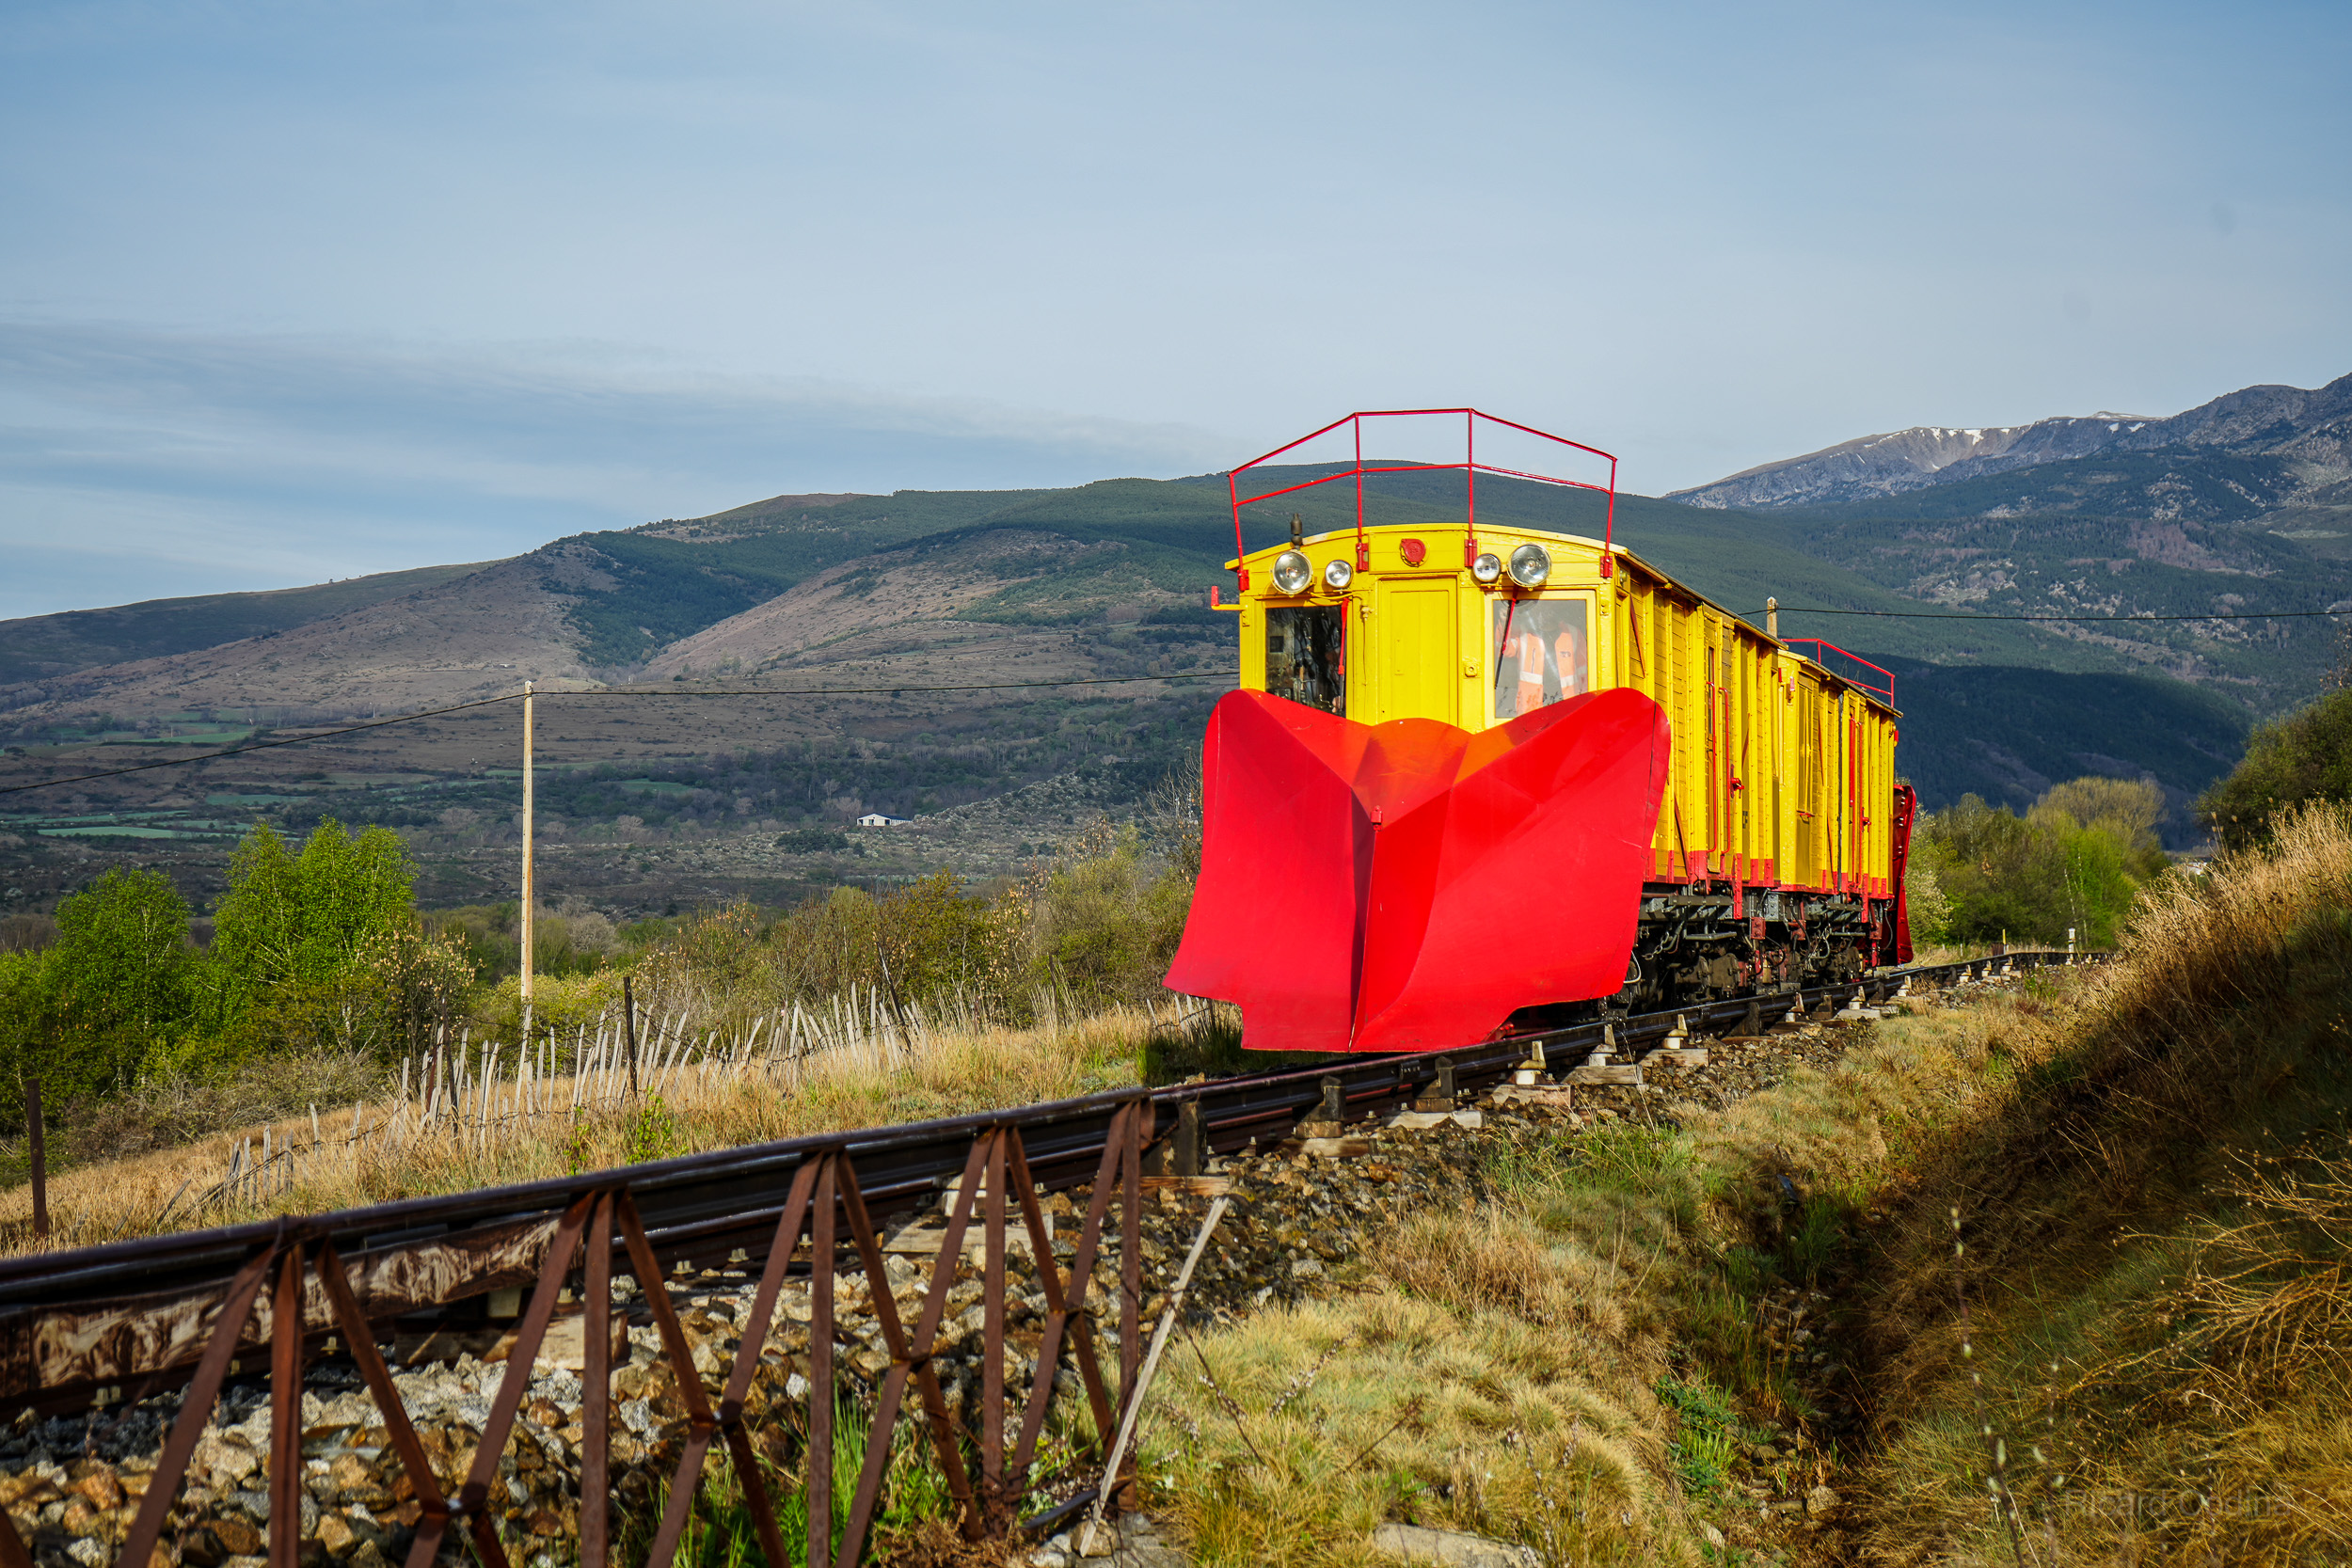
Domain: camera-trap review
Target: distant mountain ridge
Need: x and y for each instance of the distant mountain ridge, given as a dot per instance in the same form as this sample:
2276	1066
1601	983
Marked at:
1103	582
790	581
34	647
2298	443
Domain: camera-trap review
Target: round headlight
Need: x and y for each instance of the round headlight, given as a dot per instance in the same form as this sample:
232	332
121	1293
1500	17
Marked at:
1530	566
1292	574
1338	574
1487	568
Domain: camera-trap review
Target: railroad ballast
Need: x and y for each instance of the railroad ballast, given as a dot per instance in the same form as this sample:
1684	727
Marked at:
1479	775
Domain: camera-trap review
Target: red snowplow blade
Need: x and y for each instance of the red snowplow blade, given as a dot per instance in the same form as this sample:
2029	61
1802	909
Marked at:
1409	886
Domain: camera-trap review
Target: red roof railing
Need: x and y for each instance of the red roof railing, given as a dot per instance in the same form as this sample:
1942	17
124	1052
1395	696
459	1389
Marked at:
1885	691
1471	467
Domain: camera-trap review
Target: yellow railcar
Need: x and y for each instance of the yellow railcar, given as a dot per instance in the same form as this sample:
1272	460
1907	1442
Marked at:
1781	795
1385	841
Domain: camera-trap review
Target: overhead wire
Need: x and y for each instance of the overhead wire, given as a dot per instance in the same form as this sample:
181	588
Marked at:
1966	615
610	691
1021	686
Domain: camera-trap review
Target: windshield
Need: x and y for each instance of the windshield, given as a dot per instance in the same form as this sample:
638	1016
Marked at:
1540	653
1303	657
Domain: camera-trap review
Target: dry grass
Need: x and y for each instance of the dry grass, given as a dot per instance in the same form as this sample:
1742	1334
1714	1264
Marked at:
1472	1389
2155	1189
2154	1196
1496	1369
952	1071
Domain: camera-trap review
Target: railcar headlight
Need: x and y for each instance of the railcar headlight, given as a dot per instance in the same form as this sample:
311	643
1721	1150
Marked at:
1487	568
1291	573
1338	574
1530	565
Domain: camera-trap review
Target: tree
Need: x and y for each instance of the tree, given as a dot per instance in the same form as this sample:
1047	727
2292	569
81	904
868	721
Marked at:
2074	861
2305	756
309	947
302	919
122	953
2125	810
92	1007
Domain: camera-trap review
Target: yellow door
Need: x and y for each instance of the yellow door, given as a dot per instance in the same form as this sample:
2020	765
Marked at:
1415	633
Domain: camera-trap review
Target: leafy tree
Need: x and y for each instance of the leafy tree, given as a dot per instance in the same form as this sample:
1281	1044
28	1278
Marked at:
2125	810
321	947
303	918
90	1009
2305	756
2075	861
121	956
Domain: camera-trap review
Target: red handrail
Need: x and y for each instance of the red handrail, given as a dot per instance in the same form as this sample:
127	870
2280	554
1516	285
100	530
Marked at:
1885	693
1470	466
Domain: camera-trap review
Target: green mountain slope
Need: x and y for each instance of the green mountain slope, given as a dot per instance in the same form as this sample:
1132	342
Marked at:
654	584
1179	534
2075	563
40	646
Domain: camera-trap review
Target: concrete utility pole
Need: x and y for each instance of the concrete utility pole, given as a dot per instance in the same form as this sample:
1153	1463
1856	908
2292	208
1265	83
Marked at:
1771	617
529	892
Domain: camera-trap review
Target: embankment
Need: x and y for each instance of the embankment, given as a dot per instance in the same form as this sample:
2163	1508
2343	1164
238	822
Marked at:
2064	1275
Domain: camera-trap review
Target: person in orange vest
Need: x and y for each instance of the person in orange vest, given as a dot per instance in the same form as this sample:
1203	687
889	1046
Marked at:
1531	695
1568	658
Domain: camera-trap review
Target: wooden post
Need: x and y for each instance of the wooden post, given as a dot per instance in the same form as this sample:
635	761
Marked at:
40	1159
629	1024
1190	1155
529	893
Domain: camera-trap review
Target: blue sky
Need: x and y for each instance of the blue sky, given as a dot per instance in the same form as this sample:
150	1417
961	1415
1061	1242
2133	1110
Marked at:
298	291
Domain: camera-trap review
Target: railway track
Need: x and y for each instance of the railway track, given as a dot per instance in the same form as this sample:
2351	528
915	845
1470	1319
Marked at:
101	1326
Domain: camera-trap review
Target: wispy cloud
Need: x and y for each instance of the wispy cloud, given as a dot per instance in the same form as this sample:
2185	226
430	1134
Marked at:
135	461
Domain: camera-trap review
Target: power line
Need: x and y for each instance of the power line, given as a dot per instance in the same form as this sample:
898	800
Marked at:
879	690
611	692
1964	615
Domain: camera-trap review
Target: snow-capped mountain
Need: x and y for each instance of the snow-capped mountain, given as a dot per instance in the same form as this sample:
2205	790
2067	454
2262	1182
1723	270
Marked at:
2309	431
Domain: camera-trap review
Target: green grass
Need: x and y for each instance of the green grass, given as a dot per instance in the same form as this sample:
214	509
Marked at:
117	832
1707	1447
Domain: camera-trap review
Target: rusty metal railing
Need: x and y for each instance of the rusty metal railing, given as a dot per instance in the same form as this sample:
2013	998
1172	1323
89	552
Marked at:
299	1287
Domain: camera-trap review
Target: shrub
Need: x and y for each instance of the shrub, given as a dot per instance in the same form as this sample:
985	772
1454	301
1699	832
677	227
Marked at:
1925	904
2075	861
572	939
1104	928
1095	930
2302	758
